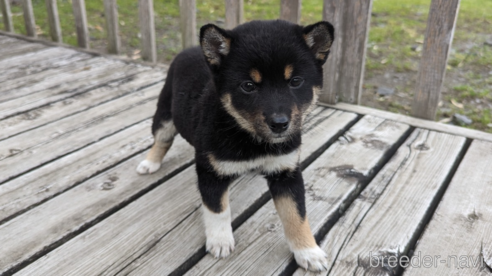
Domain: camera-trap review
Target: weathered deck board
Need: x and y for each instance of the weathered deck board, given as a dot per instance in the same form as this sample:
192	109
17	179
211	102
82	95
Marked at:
31	63
17	48
335	178
84	205
416	122
157	214
78	103
388	217
39	185
85	80
33	56
465	213
52	77
31	149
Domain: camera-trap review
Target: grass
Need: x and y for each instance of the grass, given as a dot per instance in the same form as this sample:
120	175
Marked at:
394	45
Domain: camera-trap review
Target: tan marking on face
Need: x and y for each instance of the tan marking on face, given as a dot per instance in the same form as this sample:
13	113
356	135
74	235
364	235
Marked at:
255	75
243	122
296	228
163	139
320	56
288	71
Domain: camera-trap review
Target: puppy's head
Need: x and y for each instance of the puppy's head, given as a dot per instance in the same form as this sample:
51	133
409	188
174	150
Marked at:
268	73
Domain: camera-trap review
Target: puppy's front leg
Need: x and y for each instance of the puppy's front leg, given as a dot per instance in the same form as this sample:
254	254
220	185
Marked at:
287	189
216	211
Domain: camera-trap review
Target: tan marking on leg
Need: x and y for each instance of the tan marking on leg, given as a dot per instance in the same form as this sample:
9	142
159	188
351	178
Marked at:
296	229
255	75
163	139
288	71
158	151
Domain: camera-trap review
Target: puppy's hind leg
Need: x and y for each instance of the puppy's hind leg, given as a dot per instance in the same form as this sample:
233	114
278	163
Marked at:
163	139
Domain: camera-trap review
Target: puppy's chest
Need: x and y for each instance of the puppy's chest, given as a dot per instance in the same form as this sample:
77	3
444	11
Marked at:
267	164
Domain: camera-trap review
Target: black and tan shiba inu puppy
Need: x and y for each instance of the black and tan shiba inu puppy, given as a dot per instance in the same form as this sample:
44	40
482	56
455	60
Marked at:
240	100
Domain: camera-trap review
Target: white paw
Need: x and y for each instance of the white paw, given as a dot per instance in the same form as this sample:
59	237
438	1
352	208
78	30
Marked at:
221	243
313	259
146	167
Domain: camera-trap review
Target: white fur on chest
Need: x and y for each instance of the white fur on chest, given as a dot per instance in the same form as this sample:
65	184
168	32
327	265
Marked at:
264	164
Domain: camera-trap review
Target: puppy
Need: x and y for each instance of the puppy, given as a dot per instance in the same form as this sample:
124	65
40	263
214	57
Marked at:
240	99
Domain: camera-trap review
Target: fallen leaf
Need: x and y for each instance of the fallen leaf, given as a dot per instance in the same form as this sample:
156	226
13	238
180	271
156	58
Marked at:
99	28
445	120
457	104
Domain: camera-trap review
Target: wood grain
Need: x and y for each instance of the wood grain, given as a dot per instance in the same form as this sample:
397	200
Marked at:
333	12
15	48
147	29
54	21
36	62
390	214
165	215
437	44
86	203
78	103
20	194
416	122
461	227
234	13
29	21
80	17
112	26
7	15
32	57
332	181
355	33
65	70
50	90
187	12
39	146
290	10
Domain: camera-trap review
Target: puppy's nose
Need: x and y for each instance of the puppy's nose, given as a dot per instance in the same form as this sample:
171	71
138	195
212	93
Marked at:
278	123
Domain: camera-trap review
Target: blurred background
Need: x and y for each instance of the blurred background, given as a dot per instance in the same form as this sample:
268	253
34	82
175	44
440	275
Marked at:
393	51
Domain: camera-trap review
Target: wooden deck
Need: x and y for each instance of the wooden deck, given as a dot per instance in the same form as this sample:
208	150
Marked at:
73	127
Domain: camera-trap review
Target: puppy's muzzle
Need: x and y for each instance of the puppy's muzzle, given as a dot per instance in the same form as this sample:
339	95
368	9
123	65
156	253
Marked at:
278	123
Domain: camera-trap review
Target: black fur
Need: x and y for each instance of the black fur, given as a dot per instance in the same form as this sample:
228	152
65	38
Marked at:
198	79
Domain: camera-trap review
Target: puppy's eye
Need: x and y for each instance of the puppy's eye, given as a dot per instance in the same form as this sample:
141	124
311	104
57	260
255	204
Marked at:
248	87
296	82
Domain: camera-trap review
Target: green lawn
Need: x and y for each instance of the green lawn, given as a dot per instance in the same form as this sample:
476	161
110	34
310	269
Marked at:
397	30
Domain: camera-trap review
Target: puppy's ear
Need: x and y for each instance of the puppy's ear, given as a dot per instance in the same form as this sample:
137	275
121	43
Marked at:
319	38
215	42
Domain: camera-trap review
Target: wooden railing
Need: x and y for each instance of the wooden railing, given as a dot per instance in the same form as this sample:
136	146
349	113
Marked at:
344	73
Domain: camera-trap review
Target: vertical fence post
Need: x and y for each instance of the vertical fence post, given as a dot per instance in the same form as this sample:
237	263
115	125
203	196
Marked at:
7	15
54	21
438	38
234	13
290	10
345	71
79	13
187	10
333	12
147	29
29	18
111	14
